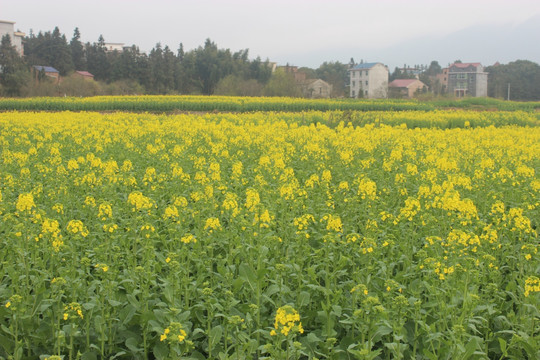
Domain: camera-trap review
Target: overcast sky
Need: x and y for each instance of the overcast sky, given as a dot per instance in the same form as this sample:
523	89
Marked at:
299	32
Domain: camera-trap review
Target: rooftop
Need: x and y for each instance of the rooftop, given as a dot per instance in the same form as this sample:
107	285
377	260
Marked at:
364	66
48	69
84	73
402	82
464	65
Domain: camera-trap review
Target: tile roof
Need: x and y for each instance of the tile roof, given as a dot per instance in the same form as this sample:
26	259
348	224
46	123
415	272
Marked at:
48	69
464	65
402	82
364	66
84	73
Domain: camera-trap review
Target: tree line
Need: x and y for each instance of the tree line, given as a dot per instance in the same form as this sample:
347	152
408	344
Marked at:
205	70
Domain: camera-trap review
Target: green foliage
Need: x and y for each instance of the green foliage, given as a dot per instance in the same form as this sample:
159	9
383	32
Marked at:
13	72
97	61
233	85
282	84
100	213
523	76
336	74
77	51
49	49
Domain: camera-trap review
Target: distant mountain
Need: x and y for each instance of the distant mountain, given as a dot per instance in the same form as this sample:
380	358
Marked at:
486	44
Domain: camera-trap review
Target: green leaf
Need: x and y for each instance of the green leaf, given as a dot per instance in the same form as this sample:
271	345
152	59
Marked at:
114	303
303	299
503	345
470	348
381	331
161	351
247	274
428	354
215	334
133	345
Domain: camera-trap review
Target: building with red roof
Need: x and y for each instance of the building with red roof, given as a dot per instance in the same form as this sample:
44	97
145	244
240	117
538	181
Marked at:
467	79
84	74
405	88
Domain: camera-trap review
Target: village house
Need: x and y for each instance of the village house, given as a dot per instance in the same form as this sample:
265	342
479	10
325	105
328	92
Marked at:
7	28
311	88
467	79
47	71
84	74
316	88
369	80
405	88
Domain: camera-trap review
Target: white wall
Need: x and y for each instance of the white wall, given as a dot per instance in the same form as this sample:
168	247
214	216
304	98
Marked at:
377	82
6	27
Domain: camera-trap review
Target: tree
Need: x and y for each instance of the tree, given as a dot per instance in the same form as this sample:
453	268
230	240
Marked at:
523	76
61	53
49	49
13	74
398	74
433	69
77	51
234	85
282	84
336	74
97	61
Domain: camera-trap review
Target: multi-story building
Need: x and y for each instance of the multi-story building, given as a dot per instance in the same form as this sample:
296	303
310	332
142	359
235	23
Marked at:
467	79
7	28
369	80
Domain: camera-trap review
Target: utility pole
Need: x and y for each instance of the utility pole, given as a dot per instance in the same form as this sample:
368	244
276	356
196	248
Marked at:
508	98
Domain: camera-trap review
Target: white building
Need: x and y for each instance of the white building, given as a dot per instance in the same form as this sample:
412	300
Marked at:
114	47
369	80
7	28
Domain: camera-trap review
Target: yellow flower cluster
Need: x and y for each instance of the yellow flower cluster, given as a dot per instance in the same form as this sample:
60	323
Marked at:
174	333
333	223
287	321
188	238
105	211
73	310
77	227
212	224
102	267
532	284
139	201
25	202
171	212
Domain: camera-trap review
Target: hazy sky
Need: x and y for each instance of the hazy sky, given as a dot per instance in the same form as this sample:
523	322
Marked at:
304	33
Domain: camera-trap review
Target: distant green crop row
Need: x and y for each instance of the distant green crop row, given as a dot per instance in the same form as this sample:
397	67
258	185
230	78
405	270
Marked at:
487	104
202	103
248	104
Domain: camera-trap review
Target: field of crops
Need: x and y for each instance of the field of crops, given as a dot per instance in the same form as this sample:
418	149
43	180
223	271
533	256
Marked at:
175	103
316	235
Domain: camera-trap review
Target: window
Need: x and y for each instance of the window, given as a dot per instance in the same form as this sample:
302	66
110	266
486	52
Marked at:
365	93
452	76
353	83
462	76
366	83
366	72
353	93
